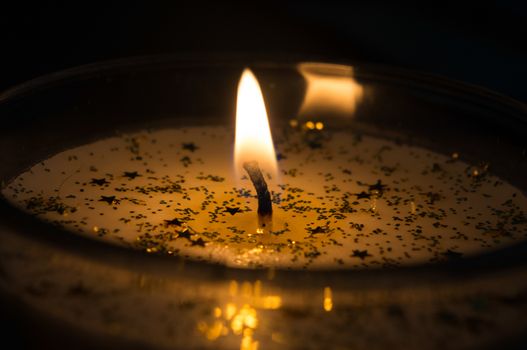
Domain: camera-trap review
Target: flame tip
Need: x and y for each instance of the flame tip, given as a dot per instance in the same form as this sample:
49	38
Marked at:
253	140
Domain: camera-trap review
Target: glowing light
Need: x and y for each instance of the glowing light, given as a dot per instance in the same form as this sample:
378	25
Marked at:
330	89
247	341
253	140
328	299
230	311
272	302
257	288
213	332
240	316
412	207
247	289
233	288
246	317
373	204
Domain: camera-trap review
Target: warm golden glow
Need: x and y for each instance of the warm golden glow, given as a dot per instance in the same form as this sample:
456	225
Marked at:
253	140
328	299
239	316
330	89
233	288
247	341
212	332
230	311
246	317
271	302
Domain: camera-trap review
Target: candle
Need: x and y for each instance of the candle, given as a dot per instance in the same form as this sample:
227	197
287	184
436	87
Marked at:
336	198
382	171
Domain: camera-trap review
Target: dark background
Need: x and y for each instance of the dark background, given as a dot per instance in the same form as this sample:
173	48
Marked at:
483	43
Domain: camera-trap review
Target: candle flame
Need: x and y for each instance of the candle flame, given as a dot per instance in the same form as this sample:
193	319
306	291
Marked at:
253	140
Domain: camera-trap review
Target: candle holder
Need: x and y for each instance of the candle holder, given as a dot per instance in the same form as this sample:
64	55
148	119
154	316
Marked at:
73	290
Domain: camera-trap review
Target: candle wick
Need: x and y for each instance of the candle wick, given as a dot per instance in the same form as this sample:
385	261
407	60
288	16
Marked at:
264	197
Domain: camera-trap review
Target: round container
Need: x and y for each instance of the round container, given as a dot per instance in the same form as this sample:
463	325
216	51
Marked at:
64	290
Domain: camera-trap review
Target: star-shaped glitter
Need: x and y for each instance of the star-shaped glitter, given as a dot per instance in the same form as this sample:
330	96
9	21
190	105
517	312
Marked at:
363	195
452	255
318	229
199	242
186	161
433	197
361	254
232	211
174	222
190	146
184	234
100	182
109	199
436	168
377	187
131	174
244	193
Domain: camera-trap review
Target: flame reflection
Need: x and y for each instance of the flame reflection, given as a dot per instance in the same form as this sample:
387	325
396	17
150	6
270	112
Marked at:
328	299
239	316
331	89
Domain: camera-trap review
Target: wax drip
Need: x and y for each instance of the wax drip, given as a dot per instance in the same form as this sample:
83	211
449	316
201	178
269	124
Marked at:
264	197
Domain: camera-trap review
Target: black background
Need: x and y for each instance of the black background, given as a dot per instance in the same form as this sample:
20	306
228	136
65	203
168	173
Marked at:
482	43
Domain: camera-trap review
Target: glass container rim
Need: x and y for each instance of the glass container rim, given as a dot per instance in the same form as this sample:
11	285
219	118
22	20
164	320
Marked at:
32	228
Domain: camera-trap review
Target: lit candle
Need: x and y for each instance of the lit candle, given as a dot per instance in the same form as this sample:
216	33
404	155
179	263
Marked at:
323	199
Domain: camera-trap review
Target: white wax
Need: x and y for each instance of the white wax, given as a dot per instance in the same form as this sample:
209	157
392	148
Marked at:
341	201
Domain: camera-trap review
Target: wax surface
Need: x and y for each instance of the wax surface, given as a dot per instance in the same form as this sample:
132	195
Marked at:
342	200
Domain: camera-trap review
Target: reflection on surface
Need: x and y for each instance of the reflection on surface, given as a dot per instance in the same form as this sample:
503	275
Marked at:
239	315
328	299
145	310
330	89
